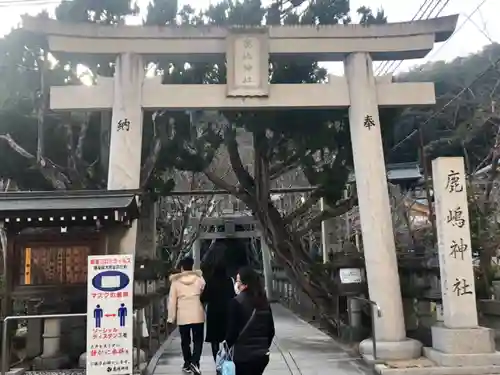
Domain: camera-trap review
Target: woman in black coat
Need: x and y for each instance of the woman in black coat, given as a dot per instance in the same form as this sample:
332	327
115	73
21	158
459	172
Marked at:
217	294
250	329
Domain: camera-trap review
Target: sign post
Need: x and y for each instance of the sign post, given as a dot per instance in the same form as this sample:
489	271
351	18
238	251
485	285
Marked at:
110	291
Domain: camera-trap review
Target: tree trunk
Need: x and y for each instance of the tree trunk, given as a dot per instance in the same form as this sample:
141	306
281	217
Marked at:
316	283
42	106
290	254
313	279
105	132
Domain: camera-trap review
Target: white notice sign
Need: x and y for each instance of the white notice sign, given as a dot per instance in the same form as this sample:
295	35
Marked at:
110	314
351	275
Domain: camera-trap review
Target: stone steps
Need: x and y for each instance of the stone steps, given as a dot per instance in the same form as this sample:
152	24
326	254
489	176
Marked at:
424	366
462	360
435	370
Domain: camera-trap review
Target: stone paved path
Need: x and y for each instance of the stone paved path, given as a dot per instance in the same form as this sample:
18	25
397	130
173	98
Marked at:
299	349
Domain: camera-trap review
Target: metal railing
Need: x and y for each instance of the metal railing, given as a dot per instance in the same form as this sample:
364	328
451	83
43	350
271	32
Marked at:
374	305
294	299
5	345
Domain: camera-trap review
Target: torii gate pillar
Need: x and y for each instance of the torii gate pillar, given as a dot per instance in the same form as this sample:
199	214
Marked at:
375	213
124	170
126	123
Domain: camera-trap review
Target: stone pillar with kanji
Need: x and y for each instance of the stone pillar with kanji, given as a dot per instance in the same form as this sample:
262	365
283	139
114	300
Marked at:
458	340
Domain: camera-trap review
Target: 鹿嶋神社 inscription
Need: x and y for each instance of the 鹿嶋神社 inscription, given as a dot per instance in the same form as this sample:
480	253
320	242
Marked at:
455	217
458	248
461	287
453	182
455	253
247	59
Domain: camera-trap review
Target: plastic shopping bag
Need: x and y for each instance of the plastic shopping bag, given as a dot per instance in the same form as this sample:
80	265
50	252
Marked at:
224	364
219	358
228	368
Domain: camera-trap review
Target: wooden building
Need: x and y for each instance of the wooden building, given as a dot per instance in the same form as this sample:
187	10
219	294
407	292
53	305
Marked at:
46	238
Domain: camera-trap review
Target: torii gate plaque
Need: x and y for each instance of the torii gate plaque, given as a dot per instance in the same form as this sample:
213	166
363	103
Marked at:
247	62
356	45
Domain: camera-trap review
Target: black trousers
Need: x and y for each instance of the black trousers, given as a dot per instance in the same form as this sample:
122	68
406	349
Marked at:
215	349
194	333
253	367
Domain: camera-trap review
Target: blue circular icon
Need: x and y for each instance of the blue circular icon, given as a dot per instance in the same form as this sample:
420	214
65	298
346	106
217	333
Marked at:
110	281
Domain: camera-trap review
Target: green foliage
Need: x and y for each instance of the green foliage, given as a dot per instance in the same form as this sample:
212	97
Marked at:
107	12
367	17
464	123
21	59
21	56
161	12
316	140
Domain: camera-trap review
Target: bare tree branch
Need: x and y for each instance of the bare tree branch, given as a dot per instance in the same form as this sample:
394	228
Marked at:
495	156
150	163
69	144
220	183
81	138
303	208
177	231
42	104
341	208
283	167
244	178
50	171
16	147
148	167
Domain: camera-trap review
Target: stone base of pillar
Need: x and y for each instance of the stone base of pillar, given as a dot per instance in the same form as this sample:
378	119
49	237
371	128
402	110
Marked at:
391	351
55	362
462	347
464	360
463	340
455	351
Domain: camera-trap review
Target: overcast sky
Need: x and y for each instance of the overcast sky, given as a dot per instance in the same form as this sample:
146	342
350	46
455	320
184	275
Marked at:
471	35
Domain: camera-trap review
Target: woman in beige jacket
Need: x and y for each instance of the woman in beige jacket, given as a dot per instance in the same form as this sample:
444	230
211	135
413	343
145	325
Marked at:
185	308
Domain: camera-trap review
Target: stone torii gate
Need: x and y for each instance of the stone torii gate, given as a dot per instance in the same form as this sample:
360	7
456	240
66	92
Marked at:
247	52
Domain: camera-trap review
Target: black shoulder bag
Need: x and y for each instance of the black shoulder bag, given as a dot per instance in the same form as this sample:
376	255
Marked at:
245	327
230	351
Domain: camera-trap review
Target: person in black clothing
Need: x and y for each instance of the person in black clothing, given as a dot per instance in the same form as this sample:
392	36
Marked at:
250	330
217	294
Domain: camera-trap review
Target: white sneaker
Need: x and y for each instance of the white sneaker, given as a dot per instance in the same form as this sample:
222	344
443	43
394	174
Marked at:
195	369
